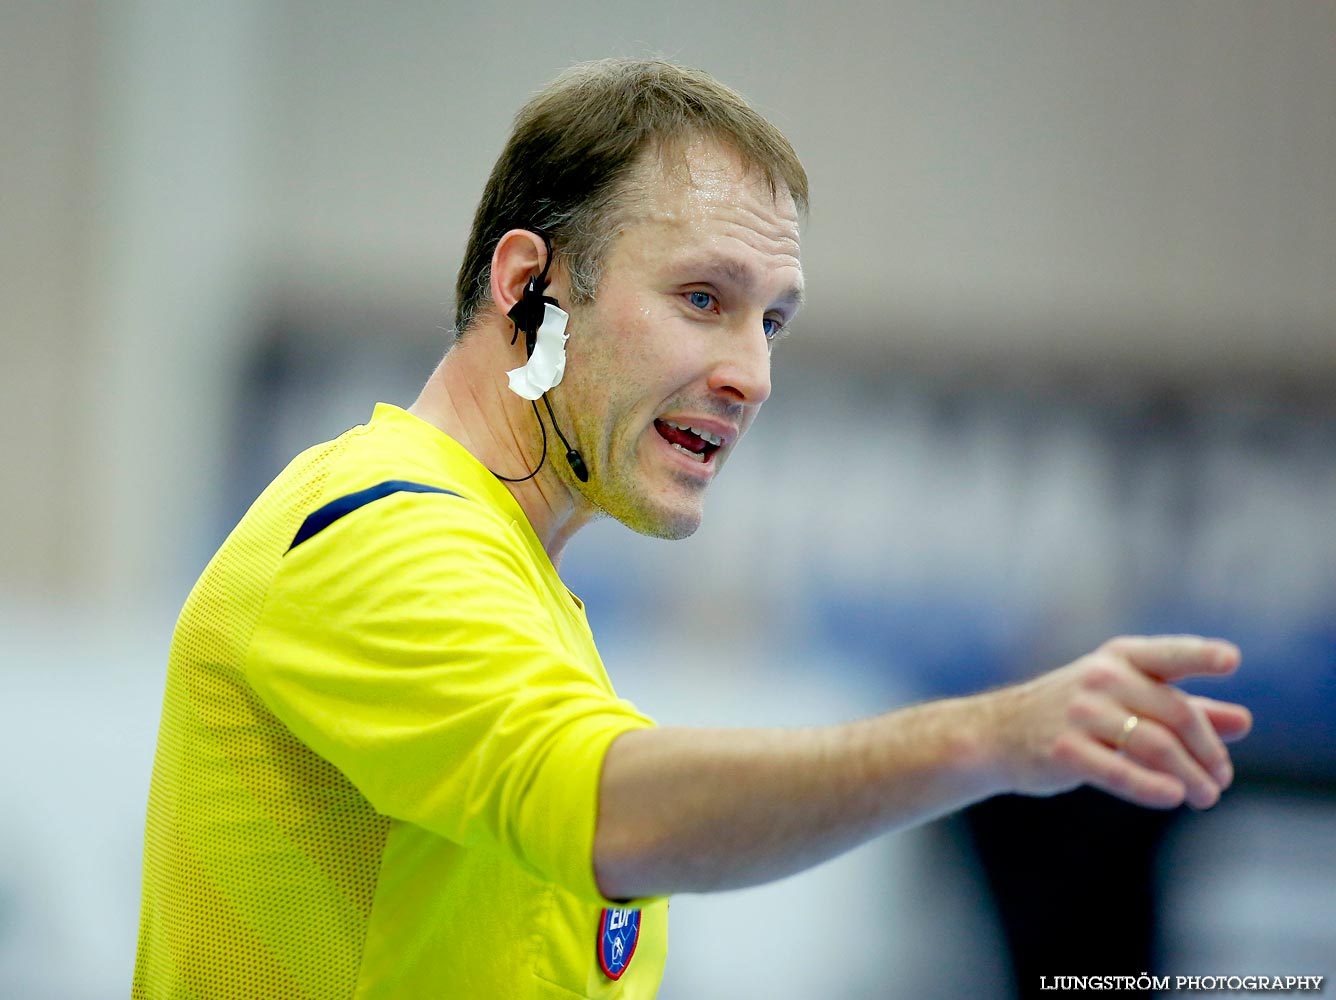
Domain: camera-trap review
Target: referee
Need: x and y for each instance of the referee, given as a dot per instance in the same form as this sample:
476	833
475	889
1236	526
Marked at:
391	764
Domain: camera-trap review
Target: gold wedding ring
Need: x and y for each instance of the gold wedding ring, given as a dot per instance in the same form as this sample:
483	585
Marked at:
1128	725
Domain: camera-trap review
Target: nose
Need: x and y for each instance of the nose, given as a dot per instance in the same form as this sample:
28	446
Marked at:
742	373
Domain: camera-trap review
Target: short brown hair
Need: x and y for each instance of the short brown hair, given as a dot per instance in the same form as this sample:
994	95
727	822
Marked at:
573	148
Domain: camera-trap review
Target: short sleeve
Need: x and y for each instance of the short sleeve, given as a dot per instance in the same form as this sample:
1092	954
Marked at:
416	646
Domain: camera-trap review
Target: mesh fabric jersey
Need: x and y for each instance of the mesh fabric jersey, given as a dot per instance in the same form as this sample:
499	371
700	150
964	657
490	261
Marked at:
381	738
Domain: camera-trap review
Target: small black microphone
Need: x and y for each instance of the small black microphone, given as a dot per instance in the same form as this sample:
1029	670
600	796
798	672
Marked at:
577	463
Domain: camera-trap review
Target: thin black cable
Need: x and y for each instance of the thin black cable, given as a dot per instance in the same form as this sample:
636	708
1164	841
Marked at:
573	457
551	416
541	458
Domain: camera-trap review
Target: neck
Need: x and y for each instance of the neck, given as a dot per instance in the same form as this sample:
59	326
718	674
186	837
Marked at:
468	398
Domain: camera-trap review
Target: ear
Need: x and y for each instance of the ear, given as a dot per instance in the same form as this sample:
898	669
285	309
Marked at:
519	256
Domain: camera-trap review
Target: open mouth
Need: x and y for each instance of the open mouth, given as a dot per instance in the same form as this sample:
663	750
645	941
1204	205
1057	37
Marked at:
693	442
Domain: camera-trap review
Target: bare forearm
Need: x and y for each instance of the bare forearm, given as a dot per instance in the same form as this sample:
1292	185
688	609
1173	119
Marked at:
703	809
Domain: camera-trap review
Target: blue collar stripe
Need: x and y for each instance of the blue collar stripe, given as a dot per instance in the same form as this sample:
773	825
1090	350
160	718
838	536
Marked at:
335	509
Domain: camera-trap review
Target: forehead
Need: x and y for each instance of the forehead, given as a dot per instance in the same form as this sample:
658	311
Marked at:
700	194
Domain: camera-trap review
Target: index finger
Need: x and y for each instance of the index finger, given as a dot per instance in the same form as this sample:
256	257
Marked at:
1174	657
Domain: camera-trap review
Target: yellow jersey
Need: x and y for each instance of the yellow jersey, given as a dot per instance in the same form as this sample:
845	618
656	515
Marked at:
377	769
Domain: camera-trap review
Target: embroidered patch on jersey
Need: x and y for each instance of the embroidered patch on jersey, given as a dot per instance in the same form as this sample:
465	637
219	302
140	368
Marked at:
618	934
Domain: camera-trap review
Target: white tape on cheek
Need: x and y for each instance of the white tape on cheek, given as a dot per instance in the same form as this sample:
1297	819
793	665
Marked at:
547	364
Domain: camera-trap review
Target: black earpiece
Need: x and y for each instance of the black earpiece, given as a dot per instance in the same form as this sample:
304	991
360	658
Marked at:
526	315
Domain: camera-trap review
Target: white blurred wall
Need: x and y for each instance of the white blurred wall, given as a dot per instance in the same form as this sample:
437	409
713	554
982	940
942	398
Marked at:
1130	187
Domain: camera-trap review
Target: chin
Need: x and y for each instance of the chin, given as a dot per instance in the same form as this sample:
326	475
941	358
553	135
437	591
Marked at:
669	525
676	529
658	507
658	520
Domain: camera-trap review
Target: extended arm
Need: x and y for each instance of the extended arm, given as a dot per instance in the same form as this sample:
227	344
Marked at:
703	809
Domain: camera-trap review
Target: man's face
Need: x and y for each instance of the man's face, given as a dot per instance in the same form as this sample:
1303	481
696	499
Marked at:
669	365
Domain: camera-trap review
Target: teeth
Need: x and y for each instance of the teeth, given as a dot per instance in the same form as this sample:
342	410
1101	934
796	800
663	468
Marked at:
684	451
704	435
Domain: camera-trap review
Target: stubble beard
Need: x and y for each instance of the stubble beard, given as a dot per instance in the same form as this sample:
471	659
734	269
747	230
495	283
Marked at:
620	493
622	496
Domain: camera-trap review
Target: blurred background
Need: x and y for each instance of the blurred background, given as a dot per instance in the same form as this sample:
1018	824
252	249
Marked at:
1068	370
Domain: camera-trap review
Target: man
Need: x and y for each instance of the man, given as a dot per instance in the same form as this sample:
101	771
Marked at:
391	763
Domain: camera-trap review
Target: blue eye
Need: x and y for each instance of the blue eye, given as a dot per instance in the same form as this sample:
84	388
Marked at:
772	327
701	300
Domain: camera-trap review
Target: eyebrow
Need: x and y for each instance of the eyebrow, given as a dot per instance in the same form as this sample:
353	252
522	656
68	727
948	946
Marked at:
737	273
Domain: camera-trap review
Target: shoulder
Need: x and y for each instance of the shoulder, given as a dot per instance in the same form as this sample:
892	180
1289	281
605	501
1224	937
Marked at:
396	475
